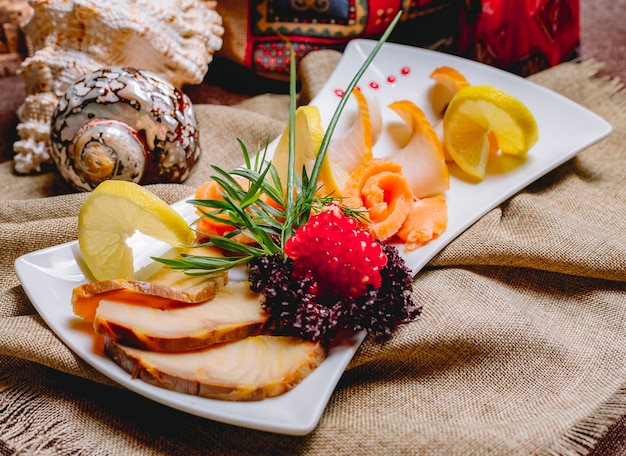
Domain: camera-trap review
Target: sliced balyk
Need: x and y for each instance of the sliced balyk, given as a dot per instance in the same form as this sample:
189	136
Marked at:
233	314
250	369
158	291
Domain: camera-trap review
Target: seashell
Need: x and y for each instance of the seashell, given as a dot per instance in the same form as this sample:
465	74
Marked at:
173	38
71	38
53	70
47	74
34	114
126	124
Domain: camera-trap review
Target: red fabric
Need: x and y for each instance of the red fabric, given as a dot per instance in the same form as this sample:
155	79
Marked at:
524	36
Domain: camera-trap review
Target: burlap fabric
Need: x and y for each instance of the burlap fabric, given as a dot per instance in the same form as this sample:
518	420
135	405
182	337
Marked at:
521	348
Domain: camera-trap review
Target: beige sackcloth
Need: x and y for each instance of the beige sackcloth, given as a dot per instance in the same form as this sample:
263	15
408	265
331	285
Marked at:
521	348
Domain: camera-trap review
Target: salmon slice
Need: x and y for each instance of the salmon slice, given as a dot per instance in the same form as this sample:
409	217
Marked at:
207	227
233	314
427	219
250	369
388	201
379	188
353	188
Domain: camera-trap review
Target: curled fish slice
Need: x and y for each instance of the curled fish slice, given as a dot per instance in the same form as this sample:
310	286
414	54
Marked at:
421	158
427	219
380	188
354	147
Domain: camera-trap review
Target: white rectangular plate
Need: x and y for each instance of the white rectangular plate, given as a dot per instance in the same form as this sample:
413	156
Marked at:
398	72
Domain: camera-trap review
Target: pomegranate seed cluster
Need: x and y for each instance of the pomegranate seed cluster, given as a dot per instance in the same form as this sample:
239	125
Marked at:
333	251
334	277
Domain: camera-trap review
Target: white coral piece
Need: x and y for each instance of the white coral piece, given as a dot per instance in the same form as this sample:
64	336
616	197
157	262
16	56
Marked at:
33	149
173	38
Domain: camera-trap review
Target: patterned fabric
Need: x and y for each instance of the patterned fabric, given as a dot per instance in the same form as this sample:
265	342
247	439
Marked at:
324	24
523	37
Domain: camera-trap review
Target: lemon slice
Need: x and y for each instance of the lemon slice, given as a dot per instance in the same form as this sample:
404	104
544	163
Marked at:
111	214
480	114
308	138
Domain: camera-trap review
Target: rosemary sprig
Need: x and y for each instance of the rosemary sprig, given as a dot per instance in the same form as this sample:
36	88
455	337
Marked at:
247	208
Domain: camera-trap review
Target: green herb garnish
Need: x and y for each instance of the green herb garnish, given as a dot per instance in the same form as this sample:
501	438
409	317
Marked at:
247	208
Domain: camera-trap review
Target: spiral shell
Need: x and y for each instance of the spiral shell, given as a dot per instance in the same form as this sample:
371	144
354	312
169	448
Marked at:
126	124
68	39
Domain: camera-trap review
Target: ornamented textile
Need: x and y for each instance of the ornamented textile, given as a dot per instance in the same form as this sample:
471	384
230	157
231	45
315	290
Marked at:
522	36
254	28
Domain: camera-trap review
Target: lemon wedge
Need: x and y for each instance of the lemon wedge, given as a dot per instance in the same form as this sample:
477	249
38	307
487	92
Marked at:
309	134
111	214
308	139
345	152
479	115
